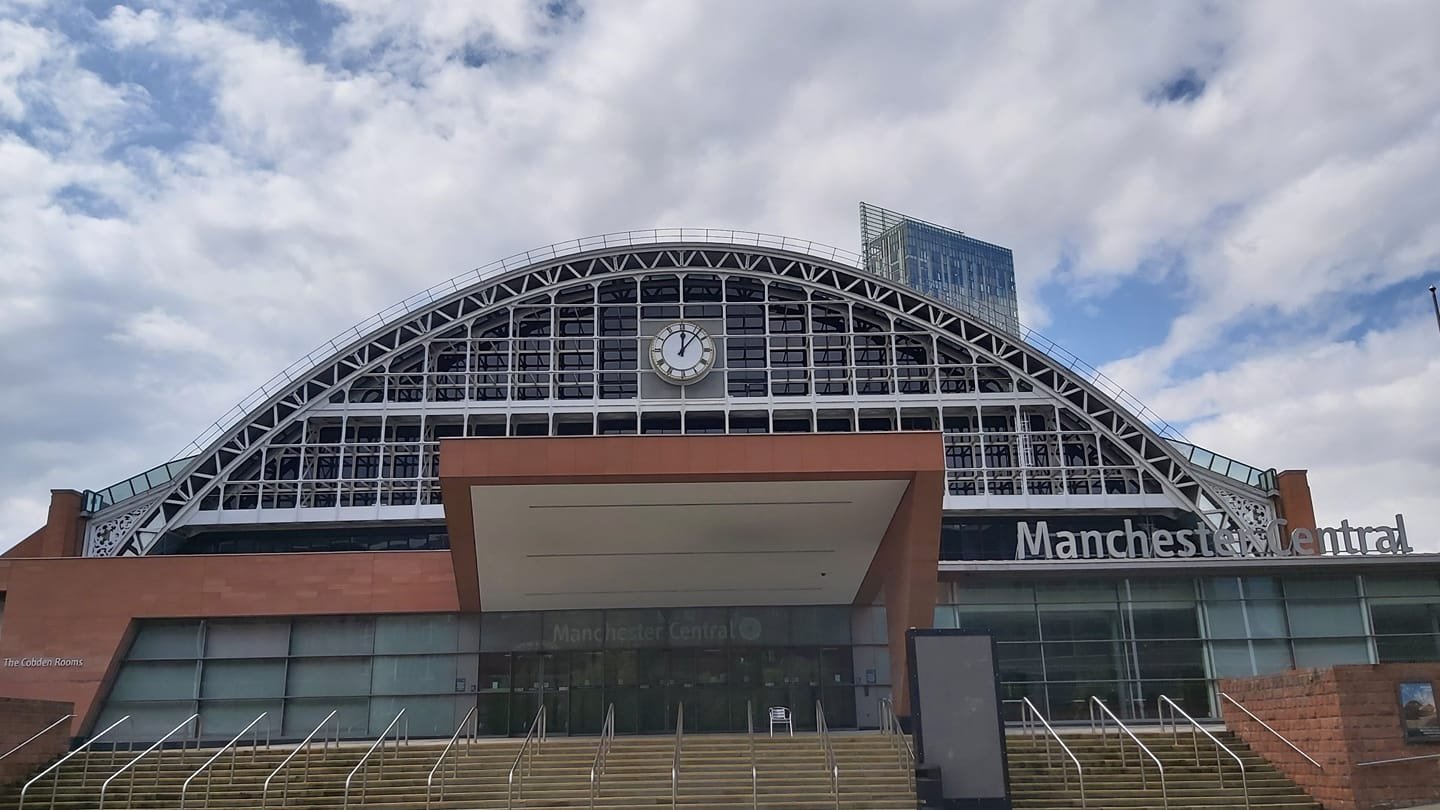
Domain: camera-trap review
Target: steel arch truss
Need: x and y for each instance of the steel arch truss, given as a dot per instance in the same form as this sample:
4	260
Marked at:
128	529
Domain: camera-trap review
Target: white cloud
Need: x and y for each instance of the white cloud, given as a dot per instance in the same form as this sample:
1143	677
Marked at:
437	136
1359	415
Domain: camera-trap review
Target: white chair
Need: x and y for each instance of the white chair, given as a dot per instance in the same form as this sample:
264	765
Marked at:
780	716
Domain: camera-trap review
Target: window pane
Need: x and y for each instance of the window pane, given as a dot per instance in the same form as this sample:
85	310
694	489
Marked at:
329	676
1402	586
1019	662
1331	651
416	634
1266	619
302	716
1059	593
1320	587
243	679
221	720
1392	649
1171	659
340	635
413	674
1404	617
155	681
1079	622
1082	661
1271	656
1232	659
1165	621
1004	622
1326	618
247	639
166	640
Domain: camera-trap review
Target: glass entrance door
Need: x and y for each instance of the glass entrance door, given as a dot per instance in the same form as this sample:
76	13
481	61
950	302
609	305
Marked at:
540	677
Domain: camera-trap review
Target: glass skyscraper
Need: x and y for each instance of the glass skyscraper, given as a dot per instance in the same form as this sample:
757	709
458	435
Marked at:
975	276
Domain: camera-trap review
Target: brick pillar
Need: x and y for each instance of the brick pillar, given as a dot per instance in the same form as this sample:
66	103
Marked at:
1293	503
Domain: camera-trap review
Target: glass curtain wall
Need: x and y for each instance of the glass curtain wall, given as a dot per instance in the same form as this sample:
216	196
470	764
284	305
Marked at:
438	666
1128	641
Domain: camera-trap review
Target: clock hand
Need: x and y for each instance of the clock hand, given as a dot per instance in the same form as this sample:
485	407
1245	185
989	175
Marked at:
684	343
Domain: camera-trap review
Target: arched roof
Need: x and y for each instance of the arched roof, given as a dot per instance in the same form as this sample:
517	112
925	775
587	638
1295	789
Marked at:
806	265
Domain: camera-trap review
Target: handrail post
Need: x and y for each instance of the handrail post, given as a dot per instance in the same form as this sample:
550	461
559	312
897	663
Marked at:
360	767
536	734
231	746
754	771
822	730
1038	721
1123	731
85	773
429	780
1195	730
304	745
129	766
675	760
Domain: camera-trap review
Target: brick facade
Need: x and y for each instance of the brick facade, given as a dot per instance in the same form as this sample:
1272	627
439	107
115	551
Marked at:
19	721
1341	716
83	608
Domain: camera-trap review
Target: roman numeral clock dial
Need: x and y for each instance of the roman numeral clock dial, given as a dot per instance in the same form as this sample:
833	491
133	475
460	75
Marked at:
682	353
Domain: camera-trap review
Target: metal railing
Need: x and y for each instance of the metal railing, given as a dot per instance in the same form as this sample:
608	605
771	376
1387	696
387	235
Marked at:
305	745
675	760
1101	716
904	749
832	766
534	737
1196	730
1266	726
159	758
1031	721
85	772
361	767
1397	759
602	752
470	722
754	770
234	748
37	735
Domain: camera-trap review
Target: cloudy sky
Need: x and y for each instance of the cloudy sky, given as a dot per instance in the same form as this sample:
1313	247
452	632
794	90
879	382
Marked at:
1235	208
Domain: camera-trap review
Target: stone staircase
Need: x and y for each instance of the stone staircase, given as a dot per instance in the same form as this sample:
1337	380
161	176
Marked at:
715	775
1038	784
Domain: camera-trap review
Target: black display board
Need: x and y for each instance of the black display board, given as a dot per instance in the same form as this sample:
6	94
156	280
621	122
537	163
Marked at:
955	713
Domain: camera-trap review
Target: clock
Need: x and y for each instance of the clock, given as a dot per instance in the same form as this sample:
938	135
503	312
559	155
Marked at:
682	353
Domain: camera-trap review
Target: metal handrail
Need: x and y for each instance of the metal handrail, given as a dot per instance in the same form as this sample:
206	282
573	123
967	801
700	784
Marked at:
1195	741
602	752
303	746
675	759
1398	759
822	730
37	735
536	734
455	767
233	748
754	771
365	759
1095	703
86	773
129	766
890	725
1029	713
1267	727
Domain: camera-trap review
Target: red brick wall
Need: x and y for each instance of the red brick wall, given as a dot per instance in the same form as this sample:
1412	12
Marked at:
79	607
1341	716
19	721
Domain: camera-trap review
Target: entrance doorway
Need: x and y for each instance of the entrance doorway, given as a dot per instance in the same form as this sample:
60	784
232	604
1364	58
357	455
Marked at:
648	685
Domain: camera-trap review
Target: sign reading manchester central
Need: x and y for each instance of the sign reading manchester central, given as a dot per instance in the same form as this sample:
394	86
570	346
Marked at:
1037	541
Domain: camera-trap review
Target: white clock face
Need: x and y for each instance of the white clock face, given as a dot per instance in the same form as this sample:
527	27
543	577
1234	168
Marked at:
682	352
